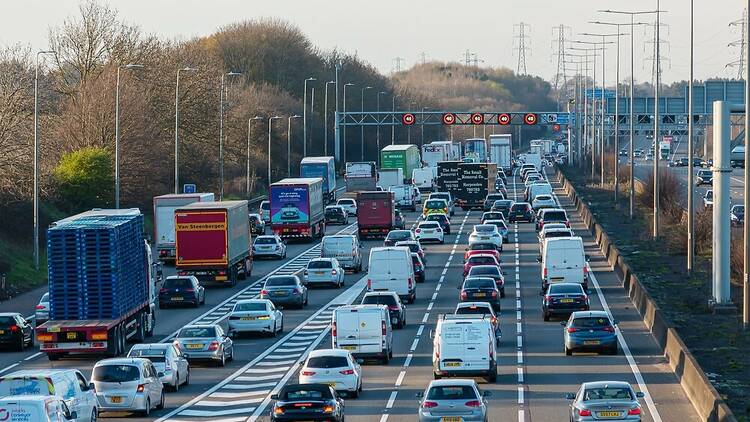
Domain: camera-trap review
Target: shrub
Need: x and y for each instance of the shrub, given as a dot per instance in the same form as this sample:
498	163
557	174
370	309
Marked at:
84	179
669	196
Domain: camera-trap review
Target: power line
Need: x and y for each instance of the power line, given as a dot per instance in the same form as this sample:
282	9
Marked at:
397	61
560	32
522	48
740	62
650	44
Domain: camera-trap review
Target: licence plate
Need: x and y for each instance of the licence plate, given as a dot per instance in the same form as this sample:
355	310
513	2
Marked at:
609	414
71	335
280	293
115	399
248	318
566	300
176	297
591	342
221	278
2	331
451	419
480	294
447	364
194	346
349	347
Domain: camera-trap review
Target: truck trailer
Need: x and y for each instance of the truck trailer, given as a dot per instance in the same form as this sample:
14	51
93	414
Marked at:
448	178
477	180
501	153
164	206
361	176
405	157
325	168
297	210
376	213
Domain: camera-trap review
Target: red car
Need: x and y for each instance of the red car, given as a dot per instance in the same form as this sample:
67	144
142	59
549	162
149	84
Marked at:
480	248
483	259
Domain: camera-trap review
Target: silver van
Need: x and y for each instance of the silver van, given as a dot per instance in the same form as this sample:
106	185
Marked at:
345	248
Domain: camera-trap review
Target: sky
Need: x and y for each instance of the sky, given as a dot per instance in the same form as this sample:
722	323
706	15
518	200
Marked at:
380	31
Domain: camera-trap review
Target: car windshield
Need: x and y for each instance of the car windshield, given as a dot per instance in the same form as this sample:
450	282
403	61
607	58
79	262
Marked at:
710	195
45	298
438	203
473	310
607	393
482	260
178	283
250	307
489	270
452	392
306	394
346	202
335	211
543	197
281	281
482	247
265	241
399	235
320	264
440	196
265	206
327	362
495	196
555	216
154	355
379	300
591	322
199	332
564	289
116	373
484	228
479	283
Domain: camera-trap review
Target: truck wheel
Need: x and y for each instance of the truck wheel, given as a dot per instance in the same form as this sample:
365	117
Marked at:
113	343
244	270
140	334
54	356
151	317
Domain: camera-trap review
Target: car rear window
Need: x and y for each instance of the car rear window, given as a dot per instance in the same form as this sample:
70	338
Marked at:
320	264
482	260
451	392
154	355
488	270
493	216
281	281
482	247
178	283
399	235
430	225
591	322
327	362
116	373
434	204
484	228
440	196
479	283
265	241
436	217
6	321
335	211
543	197
564	289
346	202
473	310
200	332
250	307
519	207
306	394
266	206
607	393
379	300
555	216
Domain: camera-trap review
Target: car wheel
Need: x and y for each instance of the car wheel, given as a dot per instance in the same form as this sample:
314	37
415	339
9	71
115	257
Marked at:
354	394
281	329
223	360
568	352
612	350
187	378
231	355
147	410
93	416
161	401
545	316
274	331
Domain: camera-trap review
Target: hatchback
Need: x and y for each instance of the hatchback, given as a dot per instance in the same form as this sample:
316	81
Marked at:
334	367
284	290
15	331
181	290
501	227
590	331
481	259
563	299
442	219
521	211
255	316
269	245
453	400
128	384
492	271
41	313
336	214
324	271
349	204
543	201
396	308
257	225
605	400
397	236
481	248
480	289
265	211
205	342
708	199
430	231
487	233
490	199
168	360
414	246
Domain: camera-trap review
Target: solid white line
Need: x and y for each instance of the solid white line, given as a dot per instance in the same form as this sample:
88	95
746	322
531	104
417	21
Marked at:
9	367
384	417
391	400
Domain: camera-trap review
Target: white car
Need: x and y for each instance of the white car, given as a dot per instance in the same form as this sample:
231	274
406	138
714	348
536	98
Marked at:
324	271
255	315
269	245
349	204
167	359
486	233
429	231
334	367
543	201
128	384
708	199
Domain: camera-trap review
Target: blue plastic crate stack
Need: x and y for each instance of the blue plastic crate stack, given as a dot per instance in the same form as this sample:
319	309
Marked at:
96	267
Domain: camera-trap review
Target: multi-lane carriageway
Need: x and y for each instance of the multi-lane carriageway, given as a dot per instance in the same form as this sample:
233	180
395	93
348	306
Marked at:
534	373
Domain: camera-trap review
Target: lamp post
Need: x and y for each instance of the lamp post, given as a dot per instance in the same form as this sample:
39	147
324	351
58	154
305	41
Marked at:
221	130
117	131
270	121
421	127
289	145
361	124
325	119
393	119
36	157
377	158
590	131
304	118
745	227
344	125
176	128
247	174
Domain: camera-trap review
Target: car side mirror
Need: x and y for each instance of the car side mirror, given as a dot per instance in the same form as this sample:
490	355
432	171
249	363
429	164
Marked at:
539	259
486	393
274	396
588	258
92	387
640	394
160	374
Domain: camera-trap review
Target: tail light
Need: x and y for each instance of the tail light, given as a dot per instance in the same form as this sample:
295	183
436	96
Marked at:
222	273
278	410
14	328
494	293
463	294
39	307
307	373
190	290
213	346
328	409
382	327
409	282
347	372
634	411
182	273
141	388
393	308
429	404
572	329
473	403
545	271
369	284
162	290
584	412
296	291
333	330
418	231
264	292
334	272
585	270
547	298
609	329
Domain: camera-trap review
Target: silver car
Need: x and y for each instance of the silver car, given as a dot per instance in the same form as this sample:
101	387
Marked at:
324	271
255	315
453	400
41	314
269	245
167	359
610	400
128	384
205	342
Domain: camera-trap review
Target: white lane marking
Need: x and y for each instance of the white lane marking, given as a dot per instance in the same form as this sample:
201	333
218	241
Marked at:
520	395
391	400
35	355
419	331
519	341
407	362
384	417
414	345
400	378
429	306
519	357
521	415
9	367
425	317
209	413
520	374
219	403
248	386
222	395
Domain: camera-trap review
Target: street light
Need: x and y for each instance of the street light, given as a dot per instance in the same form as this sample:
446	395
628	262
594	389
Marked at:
361	125
393	120
247	175
304	118
377	158
176	128
325	119
117	131
270	120
344	125
289	145
36	157
221	131
591	132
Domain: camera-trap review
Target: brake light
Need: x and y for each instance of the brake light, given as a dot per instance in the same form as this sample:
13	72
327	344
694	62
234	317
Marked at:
418	231
140	388
634	411
308	373
463	294
278	410
14	328
547	298
44	337
494	320
369	284
572	329
347	372
162	290
222	273
182	273
545	272
190	290
584	412
333	330
328	409
39	307
393	308
382	327
494	293
473	403
609	329
99	336
264	292
429	404
213	346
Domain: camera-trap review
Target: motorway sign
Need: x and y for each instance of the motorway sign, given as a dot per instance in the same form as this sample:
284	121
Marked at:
189	188
590	93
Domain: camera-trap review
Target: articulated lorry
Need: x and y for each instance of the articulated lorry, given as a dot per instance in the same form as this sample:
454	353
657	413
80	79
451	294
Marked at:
297	210
325	168
164	206
101	284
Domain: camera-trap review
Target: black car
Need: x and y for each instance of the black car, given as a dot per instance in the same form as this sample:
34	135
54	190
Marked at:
503	207
490	199
442	219
564	299
15	331
397	236
737	215
492	271
492	215
398	222
396	308
480	289
704	177
682	162
336	215
521	211
313	402
697	162
181	290
257	225
418	267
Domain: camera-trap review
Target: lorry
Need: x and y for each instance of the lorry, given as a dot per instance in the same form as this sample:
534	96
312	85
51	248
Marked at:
436	152
536	146
500	152
213	242
665	148
297	210
325	168
388	177
405	157
361	176
424	178
475	149
532	158
476	181
164	206
376	213
101	284
448	179
737	157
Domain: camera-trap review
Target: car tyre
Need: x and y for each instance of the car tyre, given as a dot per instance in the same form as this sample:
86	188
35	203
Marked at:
93	416
176	386
223	362
545	316
161	402
21	344
612	350
187	378
147	410
231	355
568	352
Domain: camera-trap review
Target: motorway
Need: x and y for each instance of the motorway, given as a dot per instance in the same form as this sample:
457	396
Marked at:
534	372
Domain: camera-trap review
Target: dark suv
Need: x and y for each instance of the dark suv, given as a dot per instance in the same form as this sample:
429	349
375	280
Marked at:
336	214
396	308
181	290
442	219
521	211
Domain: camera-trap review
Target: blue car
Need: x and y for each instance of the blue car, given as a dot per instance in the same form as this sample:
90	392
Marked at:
590	331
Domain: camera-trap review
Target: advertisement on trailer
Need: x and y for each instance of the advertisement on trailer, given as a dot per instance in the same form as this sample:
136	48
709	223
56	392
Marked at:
289	204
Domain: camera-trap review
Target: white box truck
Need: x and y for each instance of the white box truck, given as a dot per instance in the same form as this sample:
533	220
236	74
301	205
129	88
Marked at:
500	152
390	177
164	206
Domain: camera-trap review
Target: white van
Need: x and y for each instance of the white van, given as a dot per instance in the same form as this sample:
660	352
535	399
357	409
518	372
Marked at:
391	269
464	345
36	409
345	248
363	330
423	178
406	196
564	261
67	384
538	189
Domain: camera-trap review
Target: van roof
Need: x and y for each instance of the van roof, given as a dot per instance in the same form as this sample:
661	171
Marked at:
32	373
27	398
356	308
